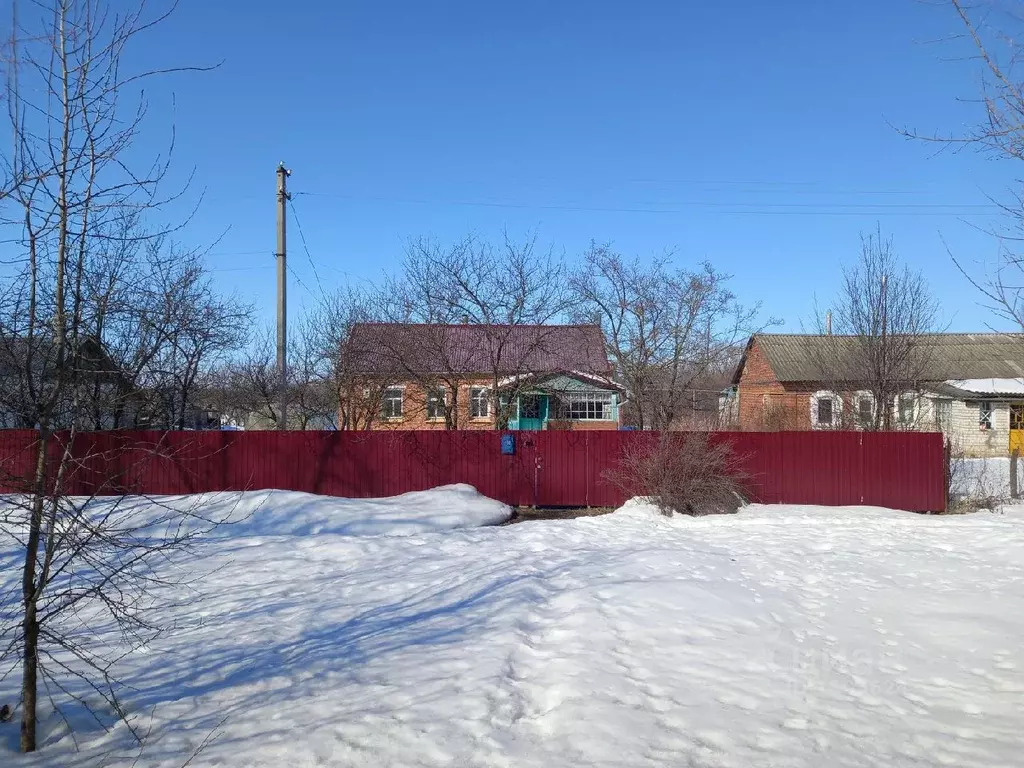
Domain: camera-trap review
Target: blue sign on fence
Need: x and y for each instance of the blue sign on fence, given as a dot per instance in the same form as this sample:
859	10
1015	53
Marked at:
508	444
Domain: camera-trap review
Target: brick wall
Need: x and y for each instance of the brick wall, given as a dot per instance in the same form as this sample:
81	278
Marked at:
767	404
414	410
756	380
414	413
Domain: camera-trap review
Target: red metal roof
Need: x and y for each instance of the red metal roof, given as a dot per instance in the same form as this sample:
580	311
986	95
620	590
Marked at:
397	348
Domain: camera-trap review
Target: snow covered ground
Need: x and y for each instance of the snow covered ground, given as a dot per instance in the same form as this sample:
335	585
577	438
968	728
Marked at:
782	636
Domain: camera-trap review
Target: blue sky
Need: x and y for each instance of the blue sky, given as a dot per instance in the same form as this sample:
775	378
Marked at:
758	136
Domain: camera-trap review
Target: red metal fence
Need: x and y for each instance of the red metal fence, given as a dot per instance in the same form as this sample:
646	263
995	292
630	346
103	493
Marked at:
902	470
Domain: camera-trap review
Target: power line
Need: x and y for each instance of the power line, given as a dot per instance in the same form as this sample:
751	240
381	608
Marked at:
305	246
298	279
237	253
291	272
739	208
241	269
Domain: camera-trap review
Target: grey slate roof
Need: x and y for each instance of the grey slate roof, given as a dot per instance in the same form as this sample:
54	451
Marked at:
799	357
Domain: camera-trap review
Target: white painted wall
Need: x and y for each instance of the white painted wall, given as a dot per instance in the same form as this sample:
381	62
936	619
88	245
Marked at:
975	441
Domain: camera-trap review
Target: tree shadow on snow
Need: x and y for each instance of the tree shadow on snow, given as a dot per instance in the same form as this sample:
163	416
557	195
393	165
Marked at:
430	617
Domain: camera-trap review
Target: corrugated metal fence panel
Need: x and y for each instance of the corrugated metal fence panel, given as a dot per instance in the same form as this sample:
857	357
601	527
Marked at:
904	470
604	453
749	451
17	459
901	470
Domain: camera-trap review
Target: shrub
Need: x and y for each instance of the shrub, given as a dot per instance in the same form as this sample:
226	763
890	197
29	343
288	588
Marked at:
682	472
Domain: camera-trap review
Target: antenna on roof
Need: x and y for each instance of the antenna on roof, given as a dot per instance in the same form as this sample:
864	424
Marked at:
828	323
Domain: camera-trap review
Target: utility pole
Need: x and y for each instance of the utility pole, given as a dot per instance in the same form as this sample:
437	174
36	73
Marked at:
883	369
282	298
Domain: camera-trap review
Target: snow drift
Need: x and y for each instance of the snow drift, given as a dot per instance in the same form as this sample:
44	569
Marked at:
291	513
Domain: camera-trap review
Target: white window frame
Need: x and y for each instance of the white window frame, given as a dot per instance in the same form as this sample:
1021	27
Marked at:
986	422
837	409
479	396
858	398
435	397
915	408
947	403
589	400
386	398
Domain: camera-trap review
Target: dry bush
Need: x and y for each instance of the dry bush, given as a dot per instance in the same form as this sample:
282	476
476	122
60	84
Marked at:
973	483
683	472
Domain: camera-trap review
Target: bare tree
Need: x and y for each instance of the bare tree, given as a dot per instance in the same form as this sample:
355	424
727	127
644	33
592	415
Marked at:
498	290
992	31
667	329
205	328
247	389
331	347
877	345
686	473
161	327
70	193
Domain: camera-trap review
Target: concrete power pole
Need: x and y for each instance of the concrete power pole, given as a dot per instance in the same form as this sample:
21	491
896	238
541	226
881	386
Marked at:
282	297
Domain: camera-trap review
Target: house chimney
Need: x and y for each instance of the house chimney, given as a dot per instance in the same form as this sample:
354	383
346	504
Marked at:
828	323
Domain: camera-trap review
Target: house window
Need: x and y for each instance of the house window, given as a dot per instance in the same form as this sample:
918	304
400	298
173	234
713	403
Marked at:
586	406
391	403
985	414
865	410
825	408
943	410
479	403
435	404
905	408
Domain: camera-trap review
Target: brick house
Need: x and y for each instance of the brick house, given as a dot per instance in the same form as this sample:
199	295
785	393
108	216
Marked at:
971	388
467	376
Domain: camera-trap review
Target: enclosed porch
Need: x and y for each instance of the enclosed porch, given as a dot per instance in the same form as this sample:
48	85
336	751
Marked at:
564	403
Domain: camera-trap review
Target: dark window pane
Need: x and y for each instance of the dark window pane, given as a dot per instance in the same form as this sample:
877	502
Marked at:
985	415
391	404
824	410
479	407
435	404
864	410
906	409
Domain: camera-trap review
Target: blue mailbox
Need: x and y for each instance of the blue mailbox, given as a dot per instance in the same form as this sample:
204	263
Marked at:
508	444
